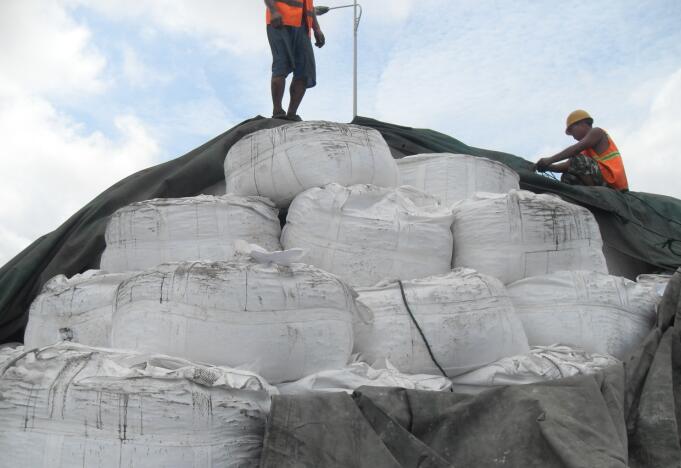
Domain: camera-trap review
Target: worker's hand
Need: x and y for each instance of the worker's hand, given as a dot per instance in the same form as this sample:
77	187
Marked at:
319	38
276	19
542	165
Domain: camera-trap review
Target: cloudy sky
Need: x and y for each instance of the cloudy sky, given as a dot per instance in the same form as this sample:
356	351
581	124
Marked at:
94	90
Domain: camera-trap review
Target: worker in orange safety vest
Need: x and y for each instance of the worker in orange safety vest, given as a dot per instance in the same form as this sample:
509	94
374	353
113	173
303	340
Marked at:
594	160
289	23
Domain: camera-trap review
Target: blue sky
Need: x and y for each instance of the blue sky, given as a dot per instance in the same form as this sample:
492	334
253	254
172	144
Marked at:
91	91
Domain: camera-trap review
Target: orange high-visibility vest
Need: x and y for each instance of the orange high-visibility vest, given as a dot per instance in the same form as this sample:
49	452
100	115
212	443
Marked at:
611	165
292	12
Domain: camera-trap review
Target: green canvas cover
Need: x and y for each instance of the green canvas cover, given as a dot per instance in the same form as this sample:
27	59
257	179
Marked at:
642	227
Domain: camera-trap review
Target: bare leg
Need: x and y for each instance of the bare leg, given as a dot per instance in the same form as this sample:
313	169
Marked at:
298	88
278	87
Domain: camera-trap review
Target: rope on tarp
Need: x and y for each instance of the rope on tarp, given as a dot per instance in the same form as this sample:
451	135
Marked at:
418	327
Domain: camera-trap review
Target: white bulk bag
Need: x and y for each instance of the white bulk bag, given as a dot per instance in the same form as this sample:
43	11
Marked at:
69	406
523	234
597	312
148	233
361	374
286	321
541	364
454	177
280	163
78	309
365	233
467	319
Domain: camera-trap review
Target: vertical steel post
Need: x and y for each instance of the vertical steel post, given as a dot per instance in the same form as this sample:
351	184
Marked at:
354	71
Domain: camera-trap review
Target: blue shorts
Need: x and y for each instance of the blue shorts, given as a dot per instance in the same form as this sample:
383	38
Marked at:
292	52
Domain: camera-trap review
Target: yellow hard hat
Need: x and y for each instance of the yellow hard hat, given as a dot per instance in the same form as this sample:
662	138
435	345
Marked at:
575	117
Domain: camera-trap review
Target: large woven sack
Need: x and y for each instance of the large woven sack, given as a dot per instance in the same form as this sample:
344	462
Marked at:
365	233
148	233
541	364
283	321
594	311
467	320
72	406
455	177
523	234
78	309
280	163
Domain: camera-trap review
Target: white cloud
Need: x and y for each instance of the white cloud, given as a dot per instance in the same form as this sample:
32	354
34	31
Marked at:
138	73
51	168
651	151
45	51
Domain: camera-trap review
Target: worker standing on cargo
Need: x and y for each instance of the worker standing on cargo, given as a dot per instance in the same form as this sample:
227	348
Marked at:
289	23
594	160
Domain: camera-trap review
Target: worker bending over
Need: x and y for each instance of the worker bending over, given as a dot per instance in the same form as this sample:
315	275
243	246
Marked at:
289	23
594	160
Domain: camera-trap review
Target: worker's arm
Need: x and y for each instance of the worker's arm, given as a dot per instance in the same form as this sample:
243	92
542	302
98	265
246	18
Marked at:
320	40
275	16
589	141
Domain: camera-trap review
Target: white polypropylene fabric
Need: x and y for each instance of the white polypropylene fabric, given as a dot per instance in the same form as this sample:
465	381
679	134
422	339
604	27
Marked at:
77	309
280	163
597	312
541	364
283	321
365	233
657	283
148	233
361	374
467	318
523	234
70	406
455	177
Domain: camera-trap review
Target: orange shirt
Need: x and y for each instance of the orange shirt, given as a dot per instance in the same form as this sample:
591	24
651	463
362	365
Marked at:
611	165
292	12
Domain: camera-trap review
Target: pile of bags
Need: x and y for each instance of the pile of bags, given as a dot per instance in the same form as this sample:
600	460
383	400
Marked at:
385	273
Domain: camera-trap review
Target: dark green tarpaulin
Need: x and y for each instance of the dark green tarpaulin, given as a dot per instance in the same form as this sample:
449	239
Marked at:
626	416
640	226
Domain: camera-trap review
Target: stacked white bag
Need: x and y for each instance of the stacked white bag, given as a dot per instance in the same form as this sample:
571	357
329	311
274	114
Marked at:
288	321
455	177
282	162
541	364
594	311
522	234
466	317
78	309
145	234
68	406
365	233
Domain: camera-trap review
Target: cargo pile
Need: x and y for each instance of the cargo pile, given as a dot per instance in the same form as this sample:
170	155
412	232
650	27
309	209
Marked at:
434	272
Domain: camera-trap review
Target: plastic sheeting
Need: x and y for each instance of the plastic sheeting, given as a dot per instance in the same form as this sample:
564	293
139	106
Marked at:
467	318
521	234
455	177
360	374
365	233
284	322
145	234
597	312
69	406
78	309
282	162
541	364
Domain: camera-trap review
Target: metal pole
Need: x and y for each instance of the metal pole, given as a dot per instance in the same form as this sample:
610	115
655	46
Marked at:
354	71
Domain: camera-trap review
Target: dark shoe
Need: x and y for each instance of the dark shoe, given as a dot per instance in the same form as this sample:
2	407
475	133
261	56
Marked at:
294	118
279	115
